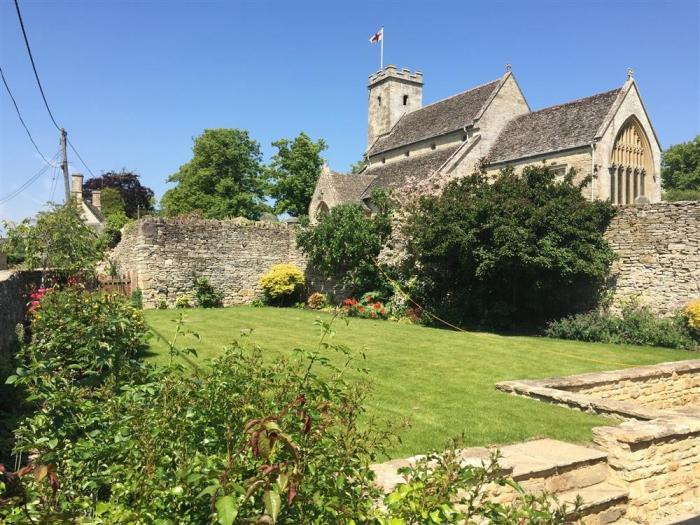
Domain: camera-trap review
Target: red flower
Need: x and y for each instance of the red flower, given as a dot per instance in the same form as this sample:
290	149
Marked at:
383	312
362	309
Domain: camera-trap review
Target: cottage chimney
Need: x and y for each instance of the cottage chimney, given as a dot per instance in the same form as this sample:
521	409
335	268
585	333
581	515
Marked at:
97	199
77	187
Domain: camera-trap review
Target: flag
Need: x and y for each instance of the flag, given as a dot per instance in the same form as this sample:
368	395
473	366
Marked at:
377	37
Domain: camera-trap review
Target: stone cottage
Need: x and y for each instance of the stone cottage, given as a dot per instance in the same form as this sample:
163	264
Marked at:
608	135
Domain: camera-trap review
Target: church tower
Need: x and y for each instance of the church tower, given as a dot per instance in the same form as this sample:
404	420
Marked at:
392	93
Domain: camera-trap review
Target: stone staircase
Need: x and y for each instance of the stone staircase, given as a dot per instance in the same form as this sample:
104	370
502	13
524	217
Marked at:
567	471
545	465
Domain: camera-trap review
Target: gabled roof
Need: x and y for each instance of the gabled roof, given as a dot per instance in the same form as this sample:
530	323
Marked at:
395	174
347	188
450	114
556	128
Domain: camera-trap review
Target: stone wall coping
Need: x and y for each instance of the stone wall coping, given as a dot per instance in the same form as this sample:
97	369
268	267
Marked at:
584	402
558	390
615	376
636	432
202	222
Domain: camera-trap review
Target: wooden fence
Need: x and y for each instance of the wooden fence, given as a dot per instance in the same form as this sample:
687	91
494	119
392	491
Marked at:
120	284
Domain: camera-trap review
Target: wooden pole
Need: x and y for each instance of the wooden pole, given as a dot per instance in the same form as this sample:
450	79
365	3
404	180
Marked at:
64	164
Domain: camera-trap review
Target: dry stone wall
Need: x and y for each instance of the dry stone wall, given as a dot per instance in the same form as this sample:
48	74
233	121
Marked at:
658	246
162	256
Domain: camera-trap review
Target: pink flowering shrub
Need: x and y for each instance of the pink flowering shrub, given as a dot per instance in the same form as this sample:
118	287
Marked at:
35	298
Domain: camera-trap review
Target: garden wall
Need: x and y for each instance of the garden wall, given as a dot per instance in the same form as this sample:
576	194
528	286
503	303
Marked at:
163	255
14	287
658	246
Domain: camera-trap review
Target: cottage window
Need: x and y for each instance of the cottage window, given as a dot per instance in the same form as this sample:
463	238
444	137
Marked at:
383	160
379	100
407	153
432	146
405	100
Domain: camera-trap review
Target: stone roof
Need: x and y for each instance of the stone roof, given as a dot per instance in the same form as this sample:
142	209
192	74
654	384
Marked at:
552	129
349	188
93	209
395	174
436	119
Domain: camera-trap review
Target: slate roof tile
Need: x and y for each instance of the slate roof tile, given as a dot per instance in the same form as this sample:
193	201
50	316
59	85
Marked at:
552	129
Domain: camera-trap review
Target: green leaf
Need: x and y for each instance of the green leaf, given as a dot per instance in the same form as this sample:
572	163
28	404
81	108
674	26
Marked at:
10	380
226	510
273	503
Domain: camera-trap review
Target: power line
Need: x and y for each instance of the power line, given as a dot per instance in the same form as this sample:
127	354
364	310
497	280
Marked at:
31	180
19	114
79	157
31	57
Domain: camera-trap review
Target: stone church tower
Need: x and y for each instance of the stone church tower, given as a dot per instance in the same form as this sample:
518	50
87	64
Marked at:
392	94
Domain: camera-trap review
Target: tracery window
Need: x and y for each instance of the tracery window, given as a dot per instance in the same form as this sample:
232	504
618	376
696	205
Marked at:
631	164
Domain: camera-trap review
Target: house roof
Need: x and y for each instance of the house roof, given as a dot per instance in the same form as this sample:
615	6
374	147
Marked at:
348	188
93	209
552	129
395	174
436	119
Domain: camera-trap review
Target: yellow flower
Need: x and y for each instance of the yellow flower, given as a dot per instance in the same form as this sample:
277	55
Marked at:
692	312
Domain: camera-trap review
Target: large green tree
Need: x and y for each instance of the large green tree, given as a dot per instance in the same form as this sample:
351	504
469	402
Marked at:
293	172
225	178
510	250
680	171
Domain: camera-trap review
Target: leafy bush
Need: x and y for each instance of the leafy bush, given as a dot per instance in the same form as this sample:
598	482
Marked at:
245	439
282	283
346	242
508	248
636	326
206	296
137	299
184	300
370	306
317	300
692	315
58	239
79	337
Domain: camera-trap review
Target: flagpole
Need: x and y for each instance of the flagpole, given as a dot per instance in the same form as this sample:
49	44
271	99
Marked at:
381	52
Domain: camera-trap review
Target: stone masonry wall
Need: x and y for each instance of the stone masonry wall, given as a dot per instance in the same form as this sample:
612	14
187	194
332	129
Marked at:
658	246
658	461
163	255
14	287
664	391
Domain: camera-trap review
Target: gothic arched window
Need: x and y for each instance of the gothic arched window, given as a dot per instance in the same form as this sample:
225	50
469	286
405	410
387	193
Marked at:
630	164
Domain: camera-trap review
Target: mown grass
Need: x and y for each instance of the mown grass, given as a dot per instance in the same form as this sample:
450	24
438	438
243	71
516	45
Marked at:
441	381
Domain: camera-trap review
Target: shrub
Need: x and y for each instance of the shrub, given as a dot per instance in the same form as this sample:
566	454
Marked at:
58	239
370	306
184	300
346	242
636	326
137	299
509	248
206	296
282	283
692	314
247	438
317	300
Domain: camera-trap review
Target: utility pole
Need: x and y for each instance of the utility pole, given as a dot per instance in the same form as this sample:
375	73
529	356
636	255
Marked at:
64	164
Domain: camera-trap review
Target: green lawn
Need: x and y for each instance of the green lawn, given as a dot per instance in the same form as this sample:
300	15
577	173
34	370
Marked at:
441	381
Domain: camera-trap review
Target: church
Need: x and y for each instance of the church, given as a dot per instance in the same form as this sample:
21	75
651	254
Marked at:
608	135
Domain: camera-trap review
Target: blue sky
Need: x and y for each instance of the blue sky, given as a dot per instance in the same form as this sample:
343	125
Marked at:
133	82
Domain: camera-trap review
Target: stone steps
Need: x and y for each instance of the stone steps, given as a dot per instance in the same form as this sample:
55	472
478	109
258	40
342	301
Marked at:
544	465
